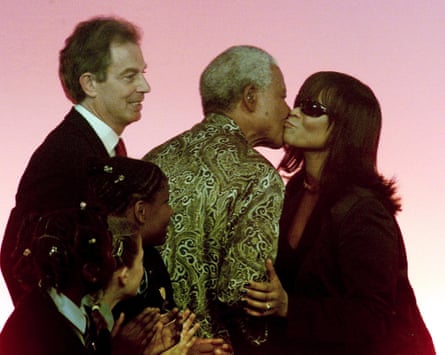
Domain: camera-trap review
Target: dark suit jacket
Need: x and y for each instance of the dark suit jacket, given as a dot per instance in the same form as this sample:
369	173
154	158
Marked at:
36	327
55	178
347	281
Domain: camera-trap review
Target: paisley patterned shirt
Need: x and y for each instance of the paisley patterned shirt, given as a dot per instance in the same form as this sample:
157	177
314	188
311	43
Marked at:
227	200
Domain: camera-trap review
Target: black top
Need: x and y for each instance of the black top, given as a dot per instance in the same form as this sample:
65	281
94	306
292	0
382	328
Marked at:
347	281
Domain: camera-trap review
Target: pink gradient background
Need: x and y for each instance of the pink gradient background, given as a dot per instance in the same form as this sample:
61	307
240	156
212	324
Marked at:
394	46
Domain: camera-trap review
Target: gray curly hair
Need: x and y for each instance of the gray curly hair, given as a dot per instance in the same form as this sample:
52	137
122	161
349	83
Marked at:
223	81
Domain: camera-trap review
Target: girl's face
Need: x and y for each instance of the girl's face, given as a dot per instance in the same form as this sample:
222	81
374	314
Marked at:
308	126
158	213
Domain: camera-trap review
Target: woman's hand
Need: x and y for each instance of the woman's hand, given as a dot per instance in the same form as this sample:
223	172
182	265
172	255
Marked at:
265	298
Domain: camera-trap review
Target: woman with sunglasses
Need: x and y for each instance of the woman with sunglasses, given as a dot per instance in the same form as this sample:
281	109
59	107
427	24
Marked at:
340	283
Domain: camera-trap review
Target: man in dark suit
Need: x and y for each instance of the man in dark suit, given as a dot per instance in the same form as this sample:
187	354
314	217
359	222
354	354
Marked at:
101	69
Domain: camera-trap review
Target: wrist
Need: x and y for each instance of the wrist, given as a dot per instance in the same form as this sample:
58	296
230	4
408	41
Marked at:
284	306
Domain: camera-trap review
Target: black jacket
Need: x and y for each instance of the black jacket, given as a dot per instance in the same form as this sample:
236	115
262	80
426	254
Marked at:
347	282
55	178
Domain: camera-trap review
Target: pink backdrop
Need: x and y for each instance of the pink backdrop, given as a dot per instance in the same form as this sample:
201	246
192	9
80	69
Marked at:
394	46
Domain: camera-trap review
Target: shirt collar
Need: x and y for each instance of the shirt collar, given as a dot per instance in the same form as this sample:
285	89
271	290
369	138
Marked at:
104	309
77	316
226	122
105	133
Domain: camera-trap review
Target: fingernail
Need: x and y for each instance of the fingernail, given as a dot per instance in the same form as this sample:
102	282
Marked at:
247	284
243	291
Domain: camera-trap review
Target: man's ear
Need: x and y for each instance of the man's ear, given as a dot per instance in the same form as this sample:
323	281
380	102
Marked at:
250	97
88	83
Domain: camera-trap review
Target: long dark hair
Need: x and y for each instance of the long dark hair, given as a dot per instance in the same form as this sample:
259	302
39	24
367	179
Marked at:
352	145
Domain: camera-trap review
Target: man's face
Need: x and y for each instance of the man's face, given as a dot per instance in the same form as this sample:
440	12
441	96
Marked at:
118	100
272	111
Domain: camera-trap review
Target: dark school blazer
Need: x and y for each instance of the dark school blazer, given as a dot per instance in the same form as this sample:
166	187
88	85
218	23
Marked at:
37	327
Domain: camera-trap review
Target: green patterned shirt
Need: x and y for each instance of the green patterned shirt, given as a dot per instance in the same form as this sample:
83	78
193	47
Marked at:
227	200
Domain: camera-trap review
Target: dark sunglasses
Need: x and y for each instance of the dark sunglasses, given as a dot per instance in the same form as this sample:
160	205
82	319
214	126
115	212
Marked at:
312	108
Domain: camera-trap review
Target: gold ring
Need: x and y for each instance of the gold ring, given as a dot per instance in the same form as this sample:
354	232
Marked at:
268	307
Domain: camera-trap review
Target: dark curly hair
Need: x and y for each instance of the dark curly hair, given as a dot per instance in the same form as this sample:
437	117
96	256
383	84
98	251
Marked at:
60	244
118	182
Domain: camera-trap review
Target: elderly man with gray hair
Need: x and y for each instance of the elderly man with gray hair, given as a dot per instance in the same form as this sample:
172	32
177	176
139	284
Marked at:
227	197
